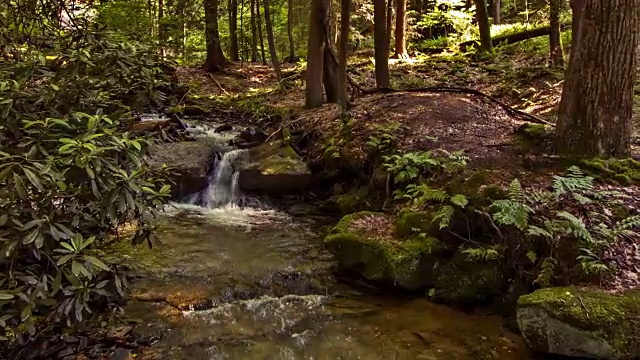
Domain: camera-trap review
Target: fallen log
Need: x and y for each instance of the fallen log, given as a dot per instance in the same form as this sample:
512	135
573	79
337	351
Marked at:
513	38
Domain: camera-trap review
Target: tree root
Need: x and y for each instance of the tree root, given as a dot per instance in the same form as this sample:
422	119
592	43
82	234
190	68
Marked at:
462	90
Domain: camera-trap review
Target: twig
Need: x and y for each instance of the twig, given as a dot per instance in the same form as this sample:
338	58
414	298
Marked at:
218	83
185	95
493	224
462	90
465	239
582	303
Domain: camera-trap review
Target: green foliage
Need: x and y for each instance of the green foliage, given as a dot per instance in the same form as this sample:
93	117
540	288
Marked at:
572	214
414	166
445	20
482	254
70	175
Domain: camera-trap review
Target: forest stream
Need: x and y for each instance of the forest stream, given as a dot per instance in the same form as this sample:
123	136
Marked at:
237	279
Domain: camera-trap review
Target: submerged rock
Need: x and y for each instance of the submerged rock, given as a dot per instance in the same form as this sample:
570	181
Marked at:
188	161
581	322
364	242
274	168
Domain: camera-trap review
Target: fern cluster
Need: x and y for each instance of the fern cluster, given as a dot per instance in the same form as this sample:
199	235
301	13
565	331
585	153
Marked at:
572	211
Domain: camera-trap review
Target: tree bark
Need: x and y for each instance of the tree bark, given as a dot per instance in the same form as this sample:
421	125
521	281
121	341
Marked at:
345	14
292	48
389	23
259	17
315	53
597	98
381	41
162	33
254	33
272	44
482	16
496	11
401	24
556	52
216	61
233	30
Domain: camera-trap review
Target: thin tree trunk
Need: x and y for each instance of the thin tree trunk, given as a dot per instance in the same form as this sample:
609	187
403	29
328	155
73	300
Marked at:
259	17
271	40
401	24
292	48
242	38
216	61
345	14
254	33
556	52
597	98
162	39
496	11
482	17
233	30
389	19
315	53
381	41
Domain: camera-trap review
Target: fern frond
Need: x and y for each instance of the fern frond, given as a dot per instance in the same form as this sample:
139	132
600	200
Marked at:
538	231
444	216
547	272
516	192
459	200
509	212
575	226
481	254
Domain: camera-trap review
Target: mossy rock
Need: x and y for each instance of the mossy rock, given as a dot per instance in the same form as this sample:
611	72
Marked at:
581	322
352	201
463	282
406	264
411	223
620	171
274	168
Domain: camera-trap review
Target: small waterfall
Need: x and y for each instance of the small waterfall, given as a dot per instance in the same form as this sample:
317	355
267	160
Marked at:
223	189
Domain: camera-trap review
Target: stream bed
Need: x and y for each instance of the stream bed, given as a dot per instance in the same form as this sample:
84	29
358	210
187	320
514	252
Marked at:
233	283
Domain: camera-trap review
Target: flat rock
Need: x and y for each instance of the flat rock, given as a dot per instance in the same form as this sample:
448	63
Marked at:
188	161
274	168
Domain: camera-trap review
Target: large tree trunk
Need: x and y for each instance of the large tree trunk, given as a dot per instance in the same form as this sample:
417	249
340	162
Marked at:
496	11
233	30
216	61
401	24
482	16
556	53
330	76
254	33
292	48
262	50
272	43
597	97
315	53
345	14
381	44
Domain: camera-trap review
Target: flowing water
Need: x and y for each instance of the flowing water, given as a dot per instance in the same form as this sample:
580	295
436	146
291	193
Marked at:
231	281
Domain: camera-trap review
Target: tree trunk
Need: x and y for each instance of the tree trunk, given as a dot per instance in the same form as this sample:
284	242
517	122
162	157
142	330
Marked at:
162	38
417	6
216	61
292	48
597	97
496	11
345	14
271	40
556	52
315	53
482	16
401	24
242	37
389	23
330	77
254	33
381	41
264	57
233	30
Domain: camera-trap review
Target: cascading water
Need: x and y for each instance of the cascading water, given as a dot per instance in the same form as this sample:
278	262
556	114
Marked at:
223	188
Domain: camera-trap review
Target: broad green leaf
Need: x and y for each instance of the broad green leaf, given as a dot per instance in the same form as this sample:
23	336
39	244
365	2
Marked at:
96	262
460	200
3	219
33	178
19	185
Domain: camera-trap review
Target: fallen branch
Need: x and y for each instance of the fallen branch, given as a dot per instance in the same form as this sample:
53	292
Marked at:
513	38
462	90
218	84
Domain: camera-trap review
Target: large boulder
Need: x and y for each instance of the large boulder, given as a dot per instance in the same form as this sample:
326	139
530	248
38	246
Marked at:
581	322
274	168
365	243
189	162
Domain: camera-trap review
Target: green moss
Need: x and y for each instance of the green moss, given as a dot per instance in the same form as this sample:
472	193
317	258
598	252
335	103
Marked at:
276	158
536	131
352	201
619	171
615	318
406	264
467	283
470	184
412	222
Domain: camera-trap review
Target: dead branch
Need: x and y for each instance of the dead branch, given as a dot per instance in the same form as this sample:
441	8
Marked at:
218	84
